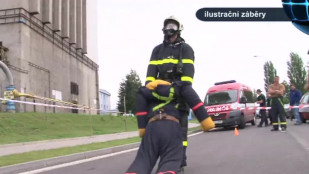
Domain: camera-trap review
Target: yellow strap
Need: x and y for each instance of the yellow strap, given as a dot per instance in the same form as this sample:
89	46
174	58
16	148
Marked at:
170	98
185	143
156	95
187	78
161	105
174	61
275	123
190	61
281	102
163	61
150	79
282	122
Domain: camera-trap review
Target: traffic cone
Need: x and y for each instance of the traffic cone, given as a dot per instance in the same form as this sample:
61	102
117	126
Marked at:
236	131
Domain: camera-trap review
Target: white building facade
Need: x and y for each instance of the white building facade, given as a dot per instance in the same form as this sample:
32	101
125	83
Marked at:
105	103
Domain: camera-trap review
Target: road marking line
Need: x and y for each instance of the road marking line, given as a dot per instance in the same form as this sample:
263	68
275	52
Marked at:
194	134
86	160
77	162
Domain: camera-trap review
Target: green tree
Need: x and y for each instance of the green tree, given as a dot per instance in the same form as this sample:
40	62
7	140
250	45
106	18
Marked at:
269	72
297	72
254	95
127	92
286	95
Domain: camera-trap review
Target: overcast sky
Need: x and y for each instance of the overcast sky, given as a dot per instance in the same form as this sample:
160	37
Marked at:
129	30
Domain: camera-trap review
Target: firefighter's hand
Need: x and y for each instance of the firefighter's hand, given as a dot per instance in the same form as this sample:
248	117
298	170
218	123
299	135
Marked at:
152	85
207	124
141	132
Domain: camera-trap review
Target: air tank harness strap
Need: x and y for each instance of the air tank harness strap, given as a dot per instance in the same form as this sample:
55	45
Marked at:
166	99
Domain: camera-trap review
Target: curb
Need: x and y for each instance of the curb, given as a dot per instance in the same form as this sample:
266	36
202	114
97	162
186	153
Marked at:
63	159
10	149
34	165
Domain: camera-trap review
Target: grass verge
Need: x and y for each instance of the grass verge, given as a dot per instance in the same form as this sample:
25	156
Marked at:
25	127
195	128
194	121
44	154
39	155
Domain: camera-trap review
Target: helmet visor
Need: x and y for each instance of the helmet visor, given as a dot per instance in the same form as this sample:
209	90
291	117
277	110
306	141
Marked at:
171	26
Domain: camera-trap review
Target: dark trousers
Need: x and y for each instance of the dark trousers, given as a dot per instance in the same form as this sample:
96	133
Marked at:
184	126
269	116
186	98
277	110
162	139
263	118
189	96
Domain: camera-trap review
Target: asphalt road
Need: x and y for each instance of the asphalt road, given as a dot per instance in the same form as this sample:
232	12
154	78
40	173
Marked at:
253	151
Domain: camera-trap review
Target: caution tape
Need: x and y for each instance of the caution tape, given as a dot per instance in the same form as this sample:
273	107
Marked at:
50	105
267	108
88	108
228	108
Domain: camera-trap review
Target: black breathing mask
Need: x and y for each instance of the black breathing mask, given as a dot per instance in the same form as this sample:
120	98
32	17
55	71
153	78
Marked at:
170	30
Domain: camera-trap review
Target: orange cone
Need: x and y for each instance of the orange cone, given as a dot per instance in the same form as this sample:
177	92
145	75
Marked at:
236	131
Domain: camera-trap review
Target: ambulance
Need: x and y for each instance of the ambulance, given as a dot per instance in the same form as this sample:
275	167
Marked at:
230	104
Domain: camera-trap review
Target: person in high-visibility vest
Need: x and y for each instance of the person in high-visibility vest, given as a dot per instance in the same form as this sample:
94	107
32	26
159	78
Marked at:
158	123
276	91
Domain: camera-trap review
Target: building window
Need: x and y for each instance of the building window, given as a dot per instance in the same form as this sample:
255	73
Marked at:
74	88
3	51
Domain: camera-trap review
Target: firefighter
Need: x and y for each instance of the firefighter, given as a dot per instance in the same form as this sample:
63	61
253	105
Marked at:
276	92
173	60
158	124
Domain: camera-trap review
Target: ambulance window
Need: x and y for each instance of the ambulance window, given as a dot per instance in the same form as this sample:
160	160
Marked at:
249	96
221	97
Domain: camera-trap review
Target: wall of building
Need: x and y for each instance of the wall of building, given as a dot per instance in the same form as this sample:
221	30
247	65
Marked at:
38	62
10	37
67	17
51	68
8	4
38	67
92	32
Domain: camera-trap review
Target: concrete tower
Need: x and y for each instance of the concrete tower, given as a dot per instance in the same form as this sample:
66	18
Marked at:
47	52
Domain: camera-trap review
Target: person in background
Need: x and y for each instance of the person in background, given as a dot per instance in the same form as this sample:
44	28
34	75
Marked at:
295	96
262	101
276	91
269	110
